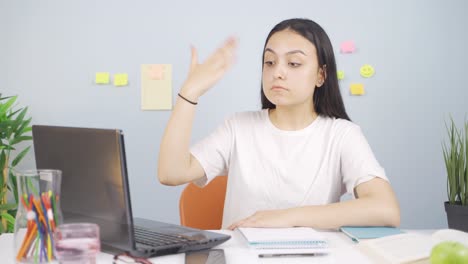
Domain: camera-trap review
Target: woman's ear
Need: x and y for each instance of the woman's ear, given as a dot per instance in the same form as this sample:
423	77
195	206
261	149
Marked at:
322	75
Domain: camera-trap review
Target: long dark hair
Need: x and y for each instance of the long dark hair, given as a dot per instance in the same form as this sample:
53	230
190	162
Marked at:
327	99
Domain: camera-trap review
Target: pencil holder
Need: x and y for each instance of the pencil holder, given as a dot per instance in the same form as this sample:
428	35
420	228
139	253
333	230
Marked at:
38	215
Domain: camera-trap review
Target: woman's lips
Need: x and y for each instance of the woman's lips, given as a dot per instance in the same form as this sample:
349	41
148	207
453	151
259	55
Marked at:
277	87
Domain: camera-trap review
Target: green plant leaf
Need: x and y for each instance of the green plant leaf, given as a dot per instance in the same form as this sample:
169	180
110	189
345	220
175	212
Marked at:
21	116
450	157
2	179
23	127
8	147
9	206
2	159
13	185
20	156
455	154
8	217
10	227
9	116
465	168
19	139
5	125
19	120
13	128
5	107
30	186
3	98
1	227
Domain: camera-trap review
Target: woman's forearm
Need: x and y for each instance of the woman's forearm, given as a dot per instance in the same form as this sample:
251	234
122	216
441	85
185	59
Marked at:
367	211
174	154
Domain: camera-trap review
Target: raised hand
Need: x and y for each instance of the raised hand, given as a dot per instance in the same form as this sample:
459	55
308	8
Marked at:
203	76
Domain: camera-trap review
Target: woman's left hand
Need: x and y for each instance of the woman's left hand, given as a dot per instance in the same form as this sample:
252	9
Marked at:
270	218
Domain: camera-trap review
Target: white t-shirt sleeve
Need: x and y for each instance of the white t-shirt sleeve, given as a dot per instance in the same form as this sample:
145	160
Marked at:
213	152
358	163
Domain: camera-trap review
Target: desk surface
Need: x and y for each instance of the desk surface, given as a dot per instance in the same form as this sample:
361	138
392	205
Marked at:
237	251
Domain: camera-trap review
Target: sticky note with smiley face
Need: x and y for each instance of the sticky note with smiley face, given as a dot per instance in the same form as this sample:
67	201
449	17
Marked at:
340	75
367	71
357	89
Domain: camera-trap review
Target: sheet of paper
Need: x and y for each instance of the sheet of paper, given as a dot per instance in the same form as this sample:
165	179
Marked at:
102	78
348	47
120	79
156	86
357	89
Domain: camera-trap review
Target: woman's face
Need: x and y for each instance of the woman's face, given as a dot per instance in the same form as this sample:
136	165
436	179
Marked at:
290	70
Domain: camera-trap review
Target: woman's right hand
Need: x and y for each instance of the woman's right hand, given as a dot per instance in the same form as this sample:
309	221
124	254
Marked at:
203	76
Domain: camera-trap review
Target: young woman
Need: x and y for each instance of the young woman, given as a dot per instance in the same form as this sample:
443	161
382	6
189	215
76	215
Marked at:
289	163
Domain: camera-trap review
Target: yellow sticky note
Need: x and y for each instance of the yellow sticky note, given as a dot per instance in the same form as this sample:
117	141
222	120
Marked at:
156	86
357	89
367	71
120	79
340	75
102	78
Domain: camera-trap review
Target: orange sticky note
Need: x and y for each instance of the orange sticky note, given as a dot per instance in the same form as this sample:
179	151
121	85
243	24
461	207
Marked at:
357	89
157	72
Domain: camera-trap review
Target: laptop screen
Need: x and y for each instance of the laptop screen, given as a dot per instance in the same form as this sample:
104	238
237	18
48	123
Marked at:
94	181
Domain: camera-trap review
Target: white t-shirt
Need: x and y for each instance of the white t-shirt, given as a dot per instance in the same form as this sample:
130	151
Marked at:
269	168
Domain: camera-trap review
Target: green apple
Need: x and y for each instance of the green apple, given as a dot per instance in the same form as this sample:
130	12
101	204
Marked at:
449	252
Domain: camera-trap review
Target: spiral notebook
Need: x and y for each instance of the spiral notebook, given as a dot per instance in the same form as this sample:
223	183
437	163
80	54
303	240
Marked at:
284	238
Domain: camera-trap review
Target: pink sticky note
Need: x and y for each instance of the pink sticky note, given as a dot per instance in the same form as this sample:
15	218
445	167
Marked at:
348	47
156	72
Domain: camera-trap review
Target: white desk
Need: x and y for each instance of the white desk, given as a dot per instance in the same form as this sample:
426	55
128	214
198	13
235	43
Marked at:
236	251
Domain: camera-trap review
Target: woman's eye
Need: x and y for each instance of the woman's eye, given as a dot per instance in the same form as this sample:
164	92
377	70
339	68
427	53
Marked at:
294	64
269	63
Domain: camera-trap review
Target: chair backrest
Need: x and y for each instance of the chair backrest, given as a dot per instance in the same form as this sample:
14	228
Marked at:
202	208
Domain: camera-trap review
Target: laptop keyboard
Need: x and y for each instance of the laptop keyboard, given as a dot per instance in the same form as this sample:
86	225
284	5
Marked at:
152	238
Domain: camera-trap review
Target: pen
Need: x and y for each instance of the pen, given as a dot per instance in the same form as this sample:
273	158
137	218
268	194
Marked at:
293	255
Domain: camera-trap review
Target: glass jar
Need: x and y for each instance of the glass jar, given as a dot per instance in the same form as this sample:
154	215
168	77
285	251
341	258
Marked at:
38	215
77	243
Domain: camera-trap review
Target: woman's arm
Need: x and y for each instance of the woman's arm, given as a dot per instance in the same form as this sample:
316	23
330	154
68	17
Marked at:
376	205
176	165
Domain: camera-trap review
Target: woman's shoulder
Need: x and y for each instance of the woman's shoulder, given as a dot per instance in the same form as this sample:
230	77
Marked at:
339	125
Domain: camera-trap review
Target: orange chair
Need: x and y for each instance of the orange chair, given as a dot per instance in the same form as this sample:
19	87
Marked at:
202	208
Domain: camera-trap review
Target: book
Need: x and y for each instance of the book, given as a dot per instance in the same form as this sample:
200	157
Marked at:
357	233
284	238
408	247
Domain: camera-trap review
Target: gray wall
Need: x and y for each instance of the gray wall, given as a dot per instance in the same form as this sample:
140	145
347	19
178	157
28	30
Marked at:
50	50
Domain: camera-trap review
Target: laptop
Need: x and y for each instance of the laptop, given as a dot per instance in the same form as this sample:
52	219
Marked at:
95	189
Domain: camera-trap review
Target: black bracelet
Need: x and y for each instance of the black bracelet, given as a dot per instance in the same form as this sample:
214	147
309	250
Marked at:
194	103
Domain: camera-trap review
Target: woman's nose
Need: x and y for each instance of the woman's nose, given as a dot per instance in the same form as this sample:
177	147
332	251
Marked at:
279	72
